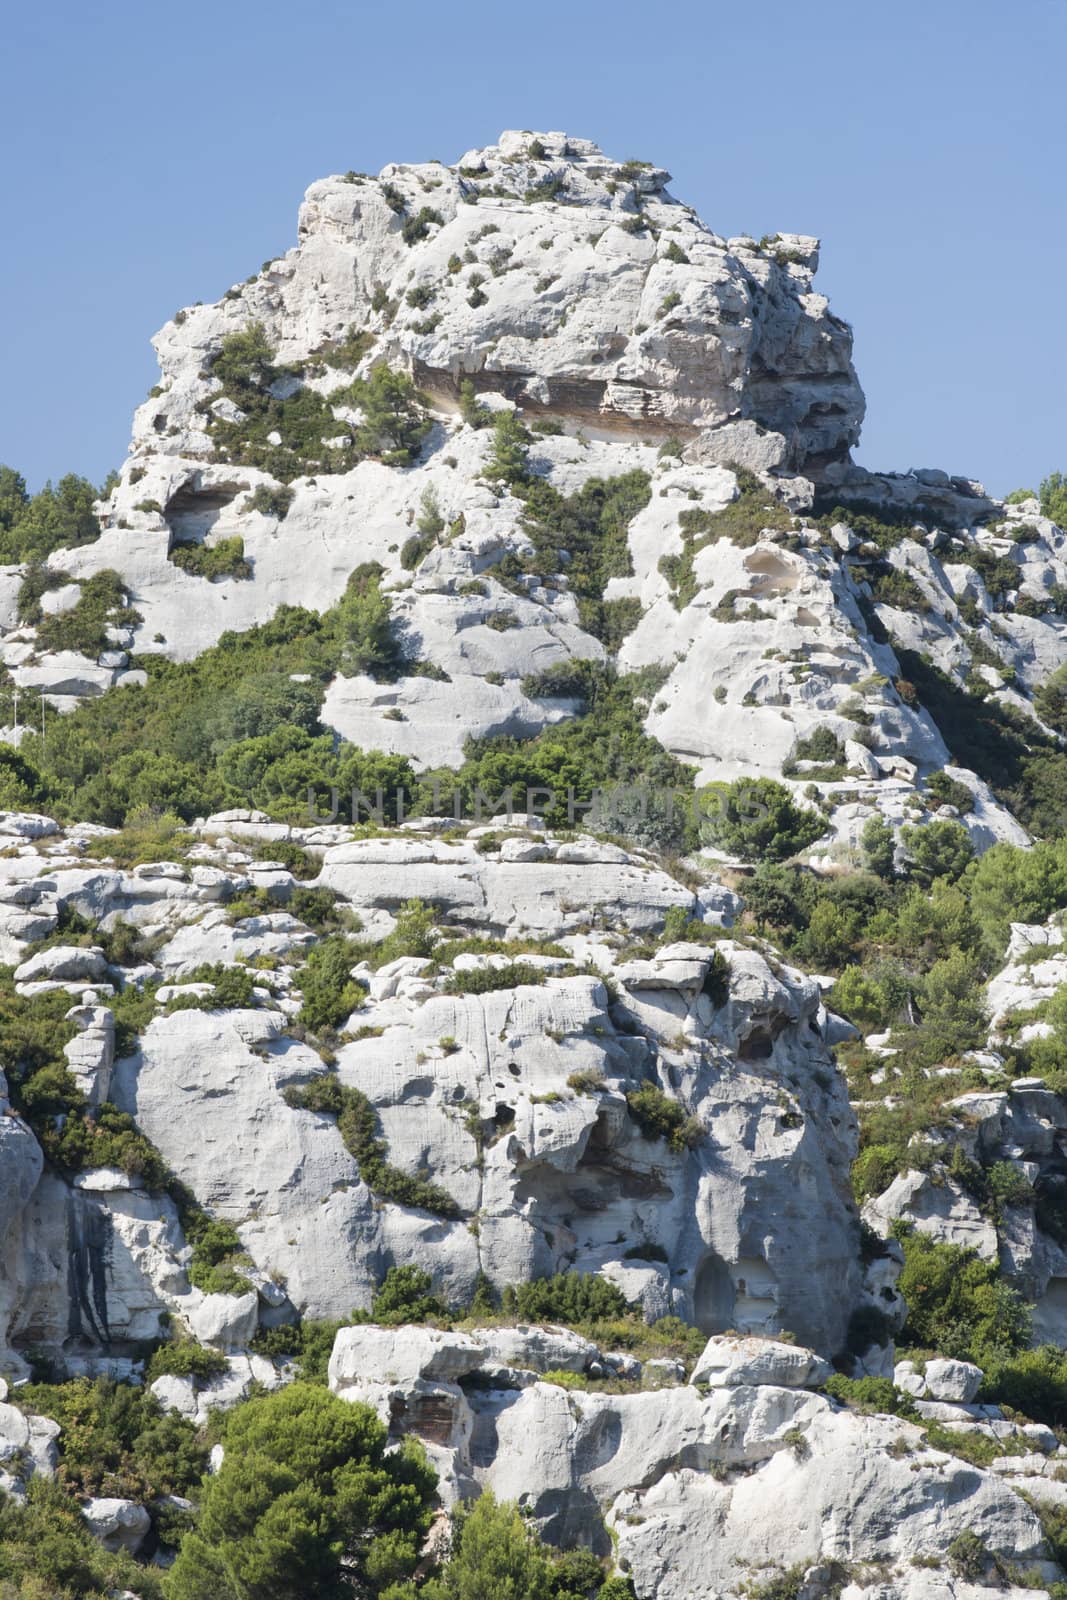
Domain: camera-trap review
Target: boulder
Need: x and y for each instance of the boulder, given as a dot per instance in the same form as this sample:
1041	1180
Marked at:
729	1363
399	1356
64	963
958	1381
225	1321
536	1349
118	1524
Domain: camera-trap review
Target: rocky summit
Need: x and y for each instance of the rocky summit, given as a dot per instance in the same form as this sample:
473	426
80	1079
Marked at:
533	1022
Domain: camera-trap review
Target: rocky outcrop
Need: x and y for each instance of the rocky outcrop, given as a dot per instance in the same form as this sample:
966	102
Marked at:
514	1100
590	1063
657	339
696	1485
580	290
1020	1129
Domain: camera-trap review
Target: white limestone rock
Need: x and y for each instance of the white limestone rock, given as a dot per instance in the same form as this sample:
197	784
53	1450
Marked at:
63	964
940	1208
398	1356
197	1399
225	1321
729	1363
118	1524
952	1380
21	1164
91	1053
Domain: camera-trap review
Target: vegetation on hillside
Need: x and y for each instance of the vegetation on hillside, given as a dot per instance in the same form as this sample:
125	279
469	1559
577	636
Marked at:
58	517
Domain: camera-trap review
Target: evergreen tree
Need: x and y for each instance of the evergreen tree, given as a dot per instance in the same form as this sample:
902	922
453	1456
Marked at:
308	1502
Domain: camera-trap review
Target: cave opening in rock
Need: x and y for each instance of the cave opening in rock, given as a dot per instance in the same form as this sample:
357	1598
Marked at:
713	1295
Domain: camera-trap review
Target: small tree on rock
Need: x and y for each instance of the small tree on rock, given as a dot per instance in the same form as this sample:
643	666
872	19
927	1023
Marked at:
308	1501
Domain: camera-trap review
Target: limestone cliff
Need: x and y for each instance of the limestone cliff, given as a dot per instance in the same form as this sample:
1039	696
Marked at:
506	440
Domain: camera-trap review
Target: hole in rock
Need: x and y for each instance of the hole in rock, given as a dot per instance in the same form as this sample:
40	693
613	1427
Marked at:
757	1047
713	1296
192	513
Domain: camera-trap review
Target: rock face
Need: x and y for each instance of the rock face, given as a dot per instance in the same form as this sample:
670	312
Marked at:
1021	1130
517	1101
695	1485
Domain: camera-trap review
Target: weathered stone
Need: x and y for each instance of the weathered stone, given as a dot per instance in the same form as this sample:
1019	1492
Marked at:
729	1363
118	1524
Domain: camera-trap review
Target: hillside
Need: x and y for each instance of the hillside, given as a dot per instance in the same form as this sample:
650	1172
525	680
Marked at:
531	894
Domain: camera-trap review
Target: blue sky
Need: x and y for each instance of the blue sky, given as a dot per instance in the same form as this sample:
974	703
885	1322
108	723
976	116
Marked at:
152	155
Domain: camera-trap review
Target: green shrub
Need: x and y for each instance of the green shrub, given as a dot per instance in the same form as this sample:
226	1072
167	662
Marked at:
33	1031
605	752
946	791
832	935
330	994
101	604
757	818
224	559
304	420
1053	497
821	745
968	1556
348	352
1050	700
357	1125
308	1499
484	980
660	1117
406	1295
46	1551
568	1297
869	1395
418	226
56	518
308	1343
364	626
231	990
473	412
116	1439
891	586
38	581
568	680
395	424
786	1584
859	996
957	1303
234	727
878	844
271	500
184	1358
147	836
591	525
217	1255
937	850
1033	1382
495	1555
507	461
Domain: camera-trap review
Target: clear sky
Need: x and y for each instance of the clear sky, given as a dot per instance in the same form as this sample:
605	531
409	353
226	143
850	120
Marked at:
152	154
